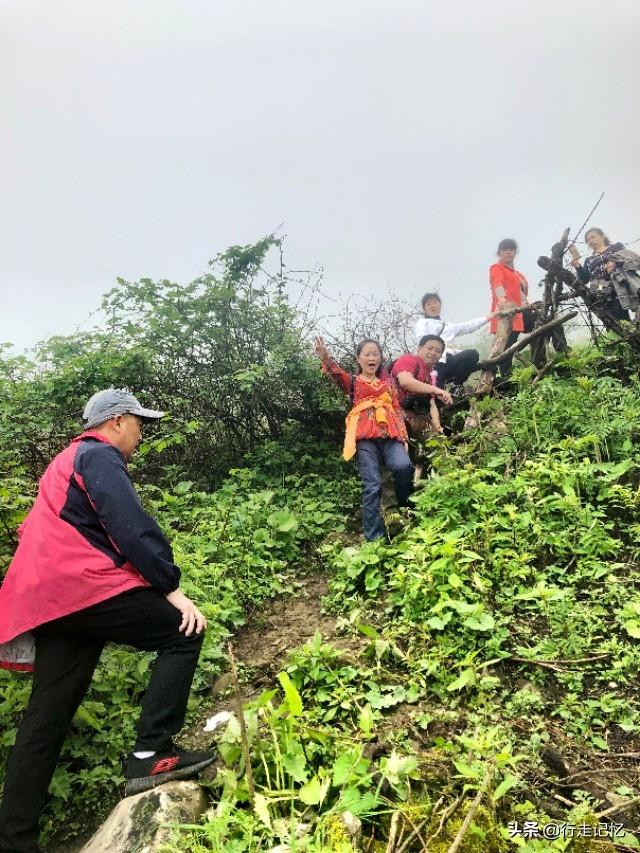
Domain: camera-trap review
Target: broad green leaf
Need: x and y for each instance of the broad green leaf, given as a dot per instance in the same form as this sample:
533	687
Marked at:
85	717
347	766
507	784
372	579
438	623
397	767
295	762
314	791
292	697
358	803
469	771
365	720
468	676
464	608
485	622
368	631
283	521
261	808
632	627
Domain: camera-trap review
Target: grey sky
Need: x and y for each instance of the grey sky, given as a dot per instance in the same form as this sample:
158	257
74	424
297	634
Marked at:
397	141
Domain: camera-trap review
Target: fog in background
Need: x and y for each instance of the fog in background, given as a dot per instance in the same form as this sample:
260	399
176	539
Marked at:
397	142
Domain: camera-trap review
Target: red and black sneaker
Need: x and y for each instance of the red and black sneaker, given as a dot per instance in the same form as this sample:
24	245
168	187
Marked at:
141	774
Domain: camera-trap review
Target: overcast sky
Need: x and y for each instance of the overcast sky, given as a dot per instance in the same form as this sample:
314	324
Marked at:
398	142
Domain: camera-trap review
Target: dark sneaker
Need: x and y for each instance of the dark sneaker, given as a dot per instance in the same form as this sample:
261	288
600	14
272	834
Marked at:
142	774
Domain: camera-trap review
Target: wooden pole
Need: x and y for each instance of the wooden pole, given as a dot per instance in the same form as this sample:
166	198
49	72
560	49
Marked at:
525	340
503	330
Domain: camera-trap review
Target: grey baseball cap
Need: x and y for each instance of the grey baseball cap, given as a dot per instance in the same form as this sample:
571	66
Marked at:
105	405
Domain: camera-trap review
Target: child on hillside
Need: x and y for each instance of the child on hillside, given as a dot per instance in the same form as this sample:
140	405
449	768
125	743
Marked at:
375	430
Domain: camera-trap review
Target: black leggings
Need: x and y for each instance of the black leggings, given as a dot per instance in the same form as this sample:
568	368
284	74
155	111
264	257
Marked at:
67	651
528	321
459	366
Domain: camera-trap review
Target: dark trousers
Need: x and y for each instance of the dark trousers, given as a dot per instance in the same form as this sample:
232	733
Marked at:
67	651
458	367
371	455
613	306
528	321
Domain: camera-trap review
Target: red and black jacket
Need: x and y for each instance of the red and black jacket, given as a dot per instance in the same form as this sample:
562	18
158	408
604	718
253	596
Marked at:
86	539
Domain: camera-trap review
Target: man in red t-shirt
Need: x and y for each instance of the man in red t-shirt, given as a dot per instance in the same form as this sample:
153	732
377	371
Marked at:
418	385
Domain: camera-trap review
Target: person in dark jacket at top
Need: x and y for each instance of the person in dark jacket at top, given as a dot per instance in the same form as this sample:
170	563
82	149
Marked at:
612	272
92	567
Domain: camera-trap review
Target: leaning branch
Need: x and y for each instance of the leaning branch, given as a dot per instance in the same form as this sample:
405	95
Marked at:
525	340
535	306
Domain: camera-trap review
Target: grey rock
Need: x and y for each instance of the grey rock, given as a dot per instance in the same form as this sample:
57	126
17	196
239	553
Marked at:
221	685
139	823
353	825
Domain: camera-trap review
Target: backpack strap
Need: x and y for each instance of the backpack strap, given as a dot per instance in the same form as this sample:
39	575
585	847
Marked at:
352	390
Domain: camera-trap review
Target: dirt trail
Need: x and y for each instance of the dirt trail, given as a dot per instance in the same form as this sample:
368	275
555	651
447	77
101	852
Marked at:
261	648
287	622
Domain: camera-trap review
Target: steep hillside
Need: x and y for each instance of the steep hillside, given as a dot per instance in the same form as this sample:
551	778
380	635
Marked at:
491	648
469	685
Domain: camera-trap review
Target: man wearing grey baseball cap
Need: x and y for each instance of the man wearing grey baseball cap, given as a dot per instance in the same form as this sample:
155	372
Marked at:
105	405
93	567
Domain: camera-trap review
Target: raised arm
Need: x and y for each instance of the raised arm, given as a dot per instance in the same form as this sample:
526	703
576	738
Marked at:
455	330
581	270
331	367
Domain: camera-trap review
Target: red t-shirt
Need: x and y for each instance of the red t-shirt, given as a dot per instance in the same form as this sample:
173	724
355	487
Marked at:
515	287
414	365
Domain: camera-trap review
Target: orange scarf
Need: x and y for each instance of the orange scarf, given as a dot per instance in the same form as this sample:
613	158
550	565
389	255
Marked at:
381	404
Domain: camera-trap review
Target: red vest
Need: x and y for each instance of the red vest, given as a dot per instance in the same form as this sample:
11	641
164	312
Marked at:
56	570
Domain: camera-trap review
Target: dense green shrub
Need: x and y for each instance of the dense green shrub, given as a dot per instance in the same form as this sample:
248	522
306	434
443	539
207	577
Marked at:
225	356
236	546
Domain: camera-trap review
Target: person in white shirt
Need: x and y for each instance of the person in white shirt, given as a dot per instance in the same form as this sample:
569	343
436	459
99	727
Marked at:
455	365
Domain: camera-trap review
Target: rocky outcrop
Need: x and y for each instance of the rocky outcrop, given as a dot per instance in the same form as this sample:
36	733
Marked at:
142	823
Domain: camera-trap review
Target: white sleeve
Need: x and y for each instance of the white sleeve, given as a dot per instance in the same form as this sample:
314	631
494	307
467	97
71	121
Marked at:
454	330
428	326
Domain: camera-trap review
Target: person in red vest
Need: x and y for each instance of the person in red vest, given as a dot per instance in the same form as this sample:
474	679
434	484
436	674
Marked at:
93	567
375	434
